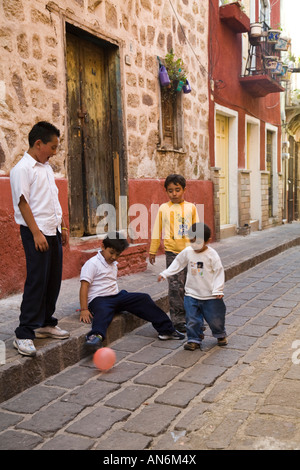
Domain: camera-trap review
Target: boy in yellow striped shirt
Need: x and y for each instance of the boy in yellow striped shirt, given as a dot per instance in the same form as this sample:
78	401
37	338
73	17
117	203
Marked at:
172	223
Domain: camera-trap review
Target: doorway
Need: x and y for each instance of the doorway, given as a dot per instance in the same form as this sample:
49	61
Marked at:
222	162
95	143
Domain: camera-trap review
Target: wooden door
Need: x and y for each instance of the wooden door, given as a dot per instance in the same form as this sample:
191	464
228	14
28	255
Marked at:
92	136
222	162
270	171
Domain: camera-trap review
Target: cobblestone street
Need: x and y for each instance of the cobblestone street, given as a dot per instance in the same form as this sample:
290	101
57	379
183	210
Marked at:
159	396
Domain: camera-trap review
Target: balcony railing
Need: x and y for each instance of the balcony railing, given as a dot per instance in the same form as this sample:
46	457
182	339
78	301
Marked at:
263	71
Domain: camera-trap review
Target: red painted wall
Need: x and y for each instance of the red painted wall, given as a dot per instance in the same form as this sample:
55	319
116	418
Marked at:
225	62
152	191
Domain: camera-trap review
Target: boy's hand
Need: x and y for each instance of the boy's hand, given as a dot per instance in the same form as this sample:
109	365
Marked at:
86	316
220	296
40	242
160	278
151	259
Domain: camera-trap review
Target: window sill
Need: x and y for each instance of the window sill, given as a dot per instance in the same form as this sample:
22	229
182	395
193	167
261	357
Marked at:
165	150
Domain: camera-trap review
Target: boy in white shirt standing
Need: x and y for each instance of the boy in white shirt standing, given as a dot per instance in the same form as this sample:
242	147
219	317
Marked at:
100	297
43	232
203	289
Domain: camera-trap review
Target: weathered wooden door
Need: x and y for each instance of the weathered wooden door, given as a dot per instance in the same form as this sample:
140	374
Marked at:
222	162
93	128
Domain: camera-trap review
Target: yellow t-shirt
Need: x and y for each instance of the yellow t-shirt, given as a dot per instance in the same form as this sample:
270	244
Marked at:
172	223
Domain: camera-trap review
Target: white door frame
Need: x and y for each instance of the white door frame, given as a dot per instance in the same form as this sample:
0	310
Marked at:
232	160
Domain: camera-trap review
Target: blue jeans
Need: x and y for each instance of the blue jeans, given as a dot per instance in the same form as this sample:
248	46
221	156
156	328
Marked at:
213	311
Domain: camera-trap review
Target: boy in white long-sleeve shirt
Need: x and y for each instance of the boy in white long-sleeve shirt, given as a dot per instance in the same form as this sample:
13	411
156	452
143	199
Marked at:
203	289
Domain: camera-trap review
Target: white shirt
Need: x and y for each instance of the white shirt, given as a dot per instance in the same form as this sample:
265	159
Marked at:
205	273
36	182
101	276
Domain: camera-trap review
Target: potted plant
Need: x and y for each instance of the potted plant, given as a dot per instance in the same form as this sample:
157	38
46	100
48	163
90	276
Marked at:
176	72
270	62
282	44
255	30
278	69
274	34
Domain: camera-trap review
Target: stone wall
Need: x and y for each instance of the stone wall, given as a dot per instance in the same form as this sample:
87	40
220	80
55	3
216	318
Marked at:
33	75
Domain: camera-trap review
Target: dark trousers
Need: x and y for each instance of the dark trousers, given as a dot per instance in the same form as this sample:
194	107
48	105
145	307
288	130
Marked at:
176	285
141	305
42	285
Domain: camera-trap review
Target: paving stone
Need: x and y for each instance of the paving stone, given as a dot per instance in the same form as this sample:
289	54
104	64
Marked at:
72	377
33	399
254	330
235	320
278	311
179	394
276	428
152	420
132	343
265	320
68	442
9	419
221	437
294	371
247	311
285	303
90	393
203	374
215	391
51	419
223	357
262	382
122	372
241	342
284	394
131	397
96	423
184	358
194	418
150	355
17	440
247	403
122	440
158	376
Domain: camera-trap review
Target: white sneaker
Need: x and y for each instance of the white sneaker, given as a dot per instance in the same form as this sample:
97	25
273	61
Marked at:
25	347
51	332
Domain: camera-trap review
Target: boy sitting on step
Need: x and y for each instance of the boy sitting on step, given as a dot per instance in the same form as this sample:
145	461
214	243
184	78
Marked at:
100	297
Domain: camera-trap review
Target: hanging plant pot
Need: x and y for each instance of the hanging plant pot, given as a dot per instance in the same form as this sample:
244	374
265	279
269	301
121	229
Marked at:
270	62
187	87
273	35
255	30
278	69
282	44
163	76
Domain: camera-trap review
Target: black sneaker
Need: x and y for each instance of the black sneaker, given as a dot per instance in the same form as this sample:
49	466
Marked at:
174	335
94	341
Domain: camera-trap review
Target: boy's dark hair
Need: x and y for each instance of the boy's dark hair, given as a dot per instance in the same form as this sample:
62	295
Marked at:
43	131
200	231
115	240
175	179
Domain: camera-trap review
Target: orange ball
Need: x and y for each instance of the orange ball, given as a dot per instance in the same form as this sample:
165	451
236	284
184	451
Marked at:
104	358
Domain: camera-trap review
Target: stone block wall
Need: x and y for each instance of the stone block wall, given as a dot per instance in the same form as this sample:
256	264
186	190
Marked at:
244	197
33	75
